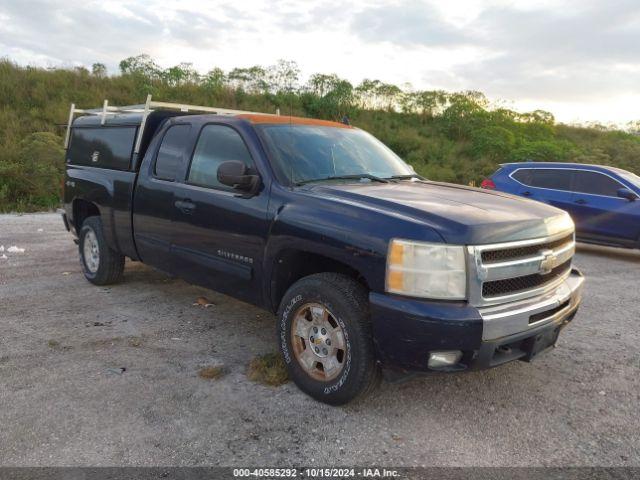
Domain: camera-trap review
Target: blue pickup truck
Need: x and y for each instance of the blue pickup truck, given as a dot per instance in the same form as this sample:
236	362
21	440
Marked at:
368	266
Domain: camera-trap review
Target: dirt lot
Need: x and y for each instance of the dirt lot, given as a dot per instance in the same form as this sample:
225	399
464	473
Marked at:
64	402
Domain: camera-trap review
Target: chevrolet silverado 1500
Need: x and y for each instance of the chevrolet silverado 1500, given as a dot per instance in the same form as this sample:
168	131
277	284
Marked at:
366	264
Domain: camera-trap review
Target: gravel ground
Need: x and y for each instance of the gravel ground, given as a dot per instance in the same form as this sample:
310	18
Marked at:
63	401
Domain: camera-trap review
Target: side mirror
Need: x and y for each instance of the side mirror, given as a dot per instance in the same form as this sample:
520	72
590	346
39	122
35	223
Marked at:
233	173
628	194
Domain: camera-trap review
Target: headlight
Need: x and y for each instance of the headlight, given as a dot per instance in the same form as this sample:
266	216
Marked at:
428	270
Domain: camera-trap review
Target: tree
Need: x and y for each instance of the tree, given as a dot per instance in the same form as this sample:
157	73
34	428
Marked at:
283	77
142	65
466	111
252	79
389	95
634	127
180	74
544	151
367	93
329	96
99	70
320	83
492	142
430	102
215	79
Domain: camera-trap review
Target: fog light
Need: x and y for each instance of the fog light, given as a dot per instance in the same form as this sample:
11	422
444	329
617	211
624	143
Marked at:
444	359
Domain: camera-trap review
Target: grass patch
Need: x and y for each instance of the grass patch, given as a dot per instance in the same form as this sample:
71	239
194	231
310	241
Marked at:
211	373
268	369
56	345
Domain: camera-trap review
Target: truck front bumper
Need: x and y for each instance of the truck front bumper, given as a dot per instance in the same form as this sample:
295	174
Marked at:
406	331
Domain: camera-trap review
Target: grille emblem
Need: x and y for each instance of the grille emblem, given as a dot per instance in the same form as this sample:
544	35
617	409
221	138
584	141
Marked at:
549	262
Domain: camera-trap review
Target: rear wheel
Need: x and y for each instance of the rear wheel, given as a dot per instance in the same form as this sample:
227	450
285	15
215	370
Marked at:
325	338
101	265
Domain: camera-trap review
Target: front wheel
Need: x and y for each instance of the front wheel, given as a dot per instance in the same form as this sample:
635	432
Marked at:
100	264
325	338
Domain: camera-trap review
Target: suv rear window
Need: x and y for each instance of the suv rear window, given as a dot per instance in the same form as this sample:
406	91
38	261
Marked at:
595	183
106	147
523	176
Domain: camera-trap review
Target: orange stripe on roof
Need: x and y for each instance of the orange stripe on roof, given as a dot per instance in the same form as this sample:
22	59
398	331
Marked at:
283	119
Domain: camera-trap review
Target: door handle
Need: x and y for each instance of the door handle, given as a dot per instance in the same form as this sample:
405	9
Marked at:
185	206
580	201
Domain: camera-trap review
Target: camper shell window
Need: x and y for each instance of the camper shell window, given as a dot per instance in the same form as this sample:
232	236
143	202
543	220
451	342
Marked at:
106	147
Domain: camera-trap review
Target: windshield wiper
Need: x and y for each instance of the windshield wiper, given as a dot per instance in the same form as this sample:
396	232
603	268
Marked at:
347	177
407	177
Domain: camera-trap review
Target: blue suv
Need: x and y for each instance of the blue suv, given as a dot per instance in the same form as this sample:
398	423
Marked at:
601	200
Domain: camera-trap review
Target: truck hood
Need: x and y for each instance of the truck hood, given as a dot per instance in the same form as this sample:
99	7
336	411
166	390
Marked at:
461	215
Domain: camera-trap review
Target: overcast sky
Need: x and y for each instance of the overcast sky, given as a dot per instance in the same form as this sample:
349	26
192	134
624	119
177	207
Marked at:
578	59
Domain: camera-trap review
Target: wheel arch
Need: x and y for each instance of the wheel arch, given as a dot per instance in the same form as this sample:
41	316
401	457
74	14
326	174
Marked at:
292	264
82	209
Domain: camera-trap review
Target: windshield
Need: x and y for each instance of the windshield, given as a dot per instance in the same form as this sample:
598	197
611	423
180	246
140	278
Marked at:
630	177
303	153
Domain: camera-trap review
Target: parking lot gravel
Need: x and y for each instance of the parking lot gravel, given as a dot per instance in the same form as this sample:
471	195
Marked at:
109	376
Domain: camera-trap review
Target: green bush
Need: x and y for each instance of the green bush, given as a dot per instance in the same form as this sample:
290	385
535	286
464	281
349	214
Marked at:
453	137
31	178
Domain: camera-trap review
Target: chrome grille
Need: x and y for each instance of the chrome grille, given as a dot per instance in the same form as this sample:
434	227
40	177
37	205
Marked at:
518	284
517	270
494	256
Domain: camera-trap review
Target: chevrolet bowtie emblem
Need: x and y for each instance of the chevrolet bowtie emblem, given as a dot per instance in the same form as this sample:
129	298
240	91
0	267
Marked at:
548	262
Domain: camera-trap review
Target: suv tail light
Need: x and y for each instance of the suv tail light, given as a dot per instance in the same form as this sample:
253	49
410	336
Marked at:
488	183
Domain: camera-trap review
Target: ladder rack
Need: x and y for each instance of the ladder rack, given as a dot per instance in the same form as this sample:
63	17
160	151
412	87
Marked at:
145	109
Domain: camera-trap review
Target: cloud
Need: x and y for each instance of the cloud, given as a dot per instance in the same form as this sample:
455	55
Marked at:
573	51
407	23
83	32
70	33
608	31
551	52
568	54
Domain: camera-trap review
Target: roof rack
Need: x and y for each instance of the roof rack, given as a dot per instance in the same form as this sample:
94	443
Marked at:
145	109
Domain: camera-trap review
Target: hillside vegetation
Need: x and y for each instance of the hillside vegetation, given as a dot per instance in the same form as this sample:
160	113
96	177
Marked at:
455	137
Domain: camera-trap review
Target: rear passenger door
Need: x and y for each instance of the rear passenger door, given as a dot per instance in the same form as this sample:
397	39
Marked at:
219	236
599	212
154	203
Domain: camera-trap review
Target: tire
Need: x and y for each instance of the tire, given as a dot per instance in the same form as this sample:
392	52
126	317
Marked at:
351	372
101	265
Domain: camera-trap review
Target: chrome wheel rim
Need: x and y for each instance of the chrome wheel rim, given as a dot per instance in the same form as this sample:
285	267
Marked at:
91	251
318	342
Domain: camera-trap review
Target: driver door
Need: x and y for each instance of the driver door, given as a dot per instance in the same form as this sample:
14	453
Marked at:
219	235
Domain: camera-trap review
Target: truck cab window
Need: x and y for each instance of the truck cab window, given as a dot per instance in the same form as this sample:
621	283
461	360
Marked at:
217	144
170	154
